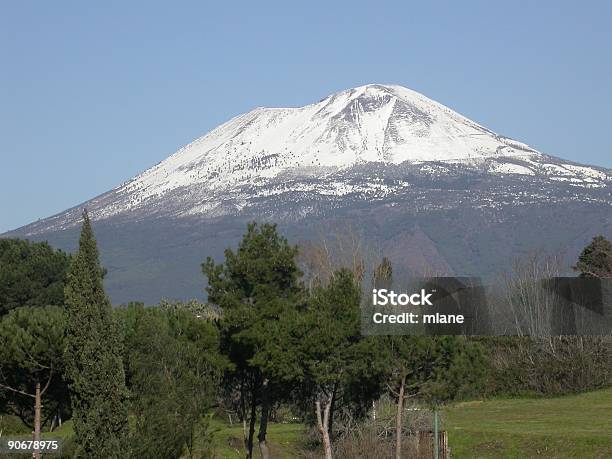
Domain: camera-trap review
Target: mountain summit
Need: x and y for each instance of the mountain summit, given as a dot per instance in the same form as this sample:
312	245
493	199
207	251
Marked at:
376	153
372	123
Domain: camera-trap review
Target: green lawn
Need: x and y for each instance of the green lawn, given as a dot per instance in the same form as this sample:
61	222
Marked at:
283	440
227	441
578	426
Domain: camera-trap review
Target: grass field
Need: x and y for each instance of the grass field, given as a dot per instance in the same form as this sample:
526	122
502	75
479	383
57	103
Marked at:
284	440
577	426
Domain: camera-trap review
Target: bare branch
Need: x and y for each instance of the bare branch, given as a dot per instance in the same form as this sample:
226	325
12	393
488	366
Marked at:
16	390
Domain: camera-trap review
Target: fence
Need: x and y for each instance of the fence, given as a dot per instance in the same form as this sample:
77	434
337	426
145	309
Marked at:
425	446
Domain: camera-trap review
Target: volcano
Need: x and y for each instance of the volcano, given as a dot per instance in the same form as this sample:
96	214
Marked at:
420	183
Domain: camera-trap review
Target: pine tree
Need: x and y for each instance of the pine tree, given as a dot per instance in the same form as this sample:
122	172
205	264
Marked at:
31	365
434	369
339	365
596	259
259	289
93	357
32	274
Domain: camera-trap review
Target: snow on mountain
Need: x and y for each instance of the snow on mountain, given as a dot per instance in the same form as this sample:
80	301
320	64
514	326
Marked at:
253	155
372	123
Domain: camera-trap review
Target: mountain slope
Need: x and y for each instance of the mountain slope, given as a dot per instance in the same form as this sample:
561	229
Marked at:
422	183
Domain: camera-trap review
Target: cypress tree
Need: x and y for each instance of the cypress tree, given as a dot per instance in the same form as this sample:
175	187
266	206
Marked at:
93	357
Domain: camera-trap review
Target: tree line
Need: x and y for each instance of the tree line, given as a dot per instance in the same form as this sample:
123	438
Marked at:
144	382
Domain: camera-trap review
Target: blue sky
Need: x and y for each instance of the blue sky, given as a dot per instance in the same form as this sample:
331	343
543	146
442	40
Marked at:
92	93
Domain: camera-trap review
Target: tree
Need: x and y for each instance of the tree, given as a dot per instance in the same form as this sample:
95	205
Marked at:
434	369
93	356
533	309
31	364
337	362
258	288
31	274
596	259
173	372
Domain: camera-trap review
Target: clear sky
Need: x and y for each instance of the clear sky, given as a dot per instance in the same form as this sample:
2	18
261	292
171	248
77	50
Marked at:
92	93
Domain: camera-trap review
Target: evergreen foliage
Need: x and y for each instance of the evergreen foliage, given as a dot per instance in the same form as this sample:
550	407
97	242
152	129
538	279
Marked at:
438	369
258	288
93	357
173	373
264	341
31	353
596	259
335	356
341	369
31	274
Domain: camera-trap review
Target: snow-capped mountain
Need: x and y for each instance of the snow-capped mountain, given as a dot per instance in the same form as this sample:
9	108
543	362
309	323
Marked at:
372	152
374	123
269	151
